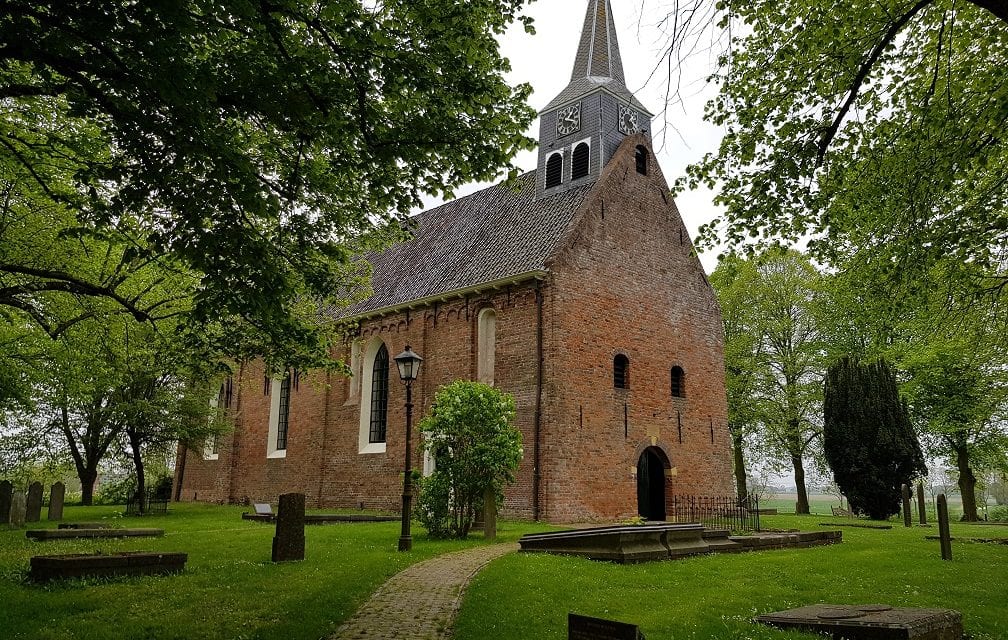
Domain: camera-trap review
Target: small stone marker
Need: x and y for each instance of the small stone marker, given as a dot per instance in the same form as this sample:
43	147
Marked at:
289	541
907	517
870	622
6	492
490	514
18	505
585	628
56	496
943	528
921	505
34	508
263	509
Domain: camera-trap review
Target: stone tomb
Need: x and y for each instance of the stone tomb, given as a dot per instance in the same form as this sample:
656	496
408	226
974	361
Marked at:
33	511
869	622
74	534
56	497
585	628
129	563
6	494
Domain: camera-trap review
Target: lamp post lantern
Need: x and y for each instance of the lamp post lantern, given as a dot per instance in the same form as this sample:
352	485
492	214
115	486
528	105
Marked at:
409	367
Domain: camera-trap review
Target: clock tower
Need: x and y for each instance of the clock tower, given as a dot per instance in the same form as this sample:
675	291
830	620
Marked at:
581	128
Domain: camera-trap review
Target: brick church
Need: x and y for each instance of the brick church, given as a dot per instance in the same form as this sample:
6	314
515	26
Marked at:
578	292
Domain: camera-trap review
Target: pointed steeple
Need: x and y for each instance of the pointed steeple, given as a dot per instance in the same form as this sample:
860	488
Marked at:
598	53
598	64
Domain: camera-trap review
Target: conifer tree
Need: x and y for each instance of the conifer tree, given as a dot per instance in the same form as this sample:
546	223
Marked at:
869	443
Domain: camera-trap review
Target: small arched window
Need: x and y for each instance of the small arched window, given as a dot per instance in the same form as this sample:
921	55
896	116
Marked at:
642	160
621	372
678	382
554	170
379	396
579	161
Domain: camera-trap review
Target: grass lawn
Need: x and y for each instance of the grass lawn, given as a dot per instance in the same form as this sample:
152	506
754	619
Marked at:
523	596
229	589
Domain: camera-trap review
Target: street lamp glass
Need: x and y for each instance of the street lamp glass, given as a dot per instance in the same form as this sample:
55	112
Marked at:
409	365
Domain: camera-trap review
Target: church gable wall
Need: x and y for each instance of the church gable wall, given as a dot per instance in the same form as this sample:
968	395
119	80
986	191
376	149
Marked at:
626	282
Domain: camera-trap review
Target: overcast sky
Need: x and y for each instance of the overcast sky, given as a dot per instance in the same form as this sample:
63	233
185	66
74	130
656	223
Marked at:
545	60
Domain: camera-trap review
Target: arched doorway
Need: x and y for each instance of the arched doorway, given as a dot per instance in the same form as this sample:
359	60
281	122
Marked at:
651	484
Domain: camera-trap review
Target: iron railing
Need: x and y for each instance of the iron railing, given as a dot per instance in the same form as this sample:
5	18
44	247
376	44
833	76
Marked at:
716	512
149	503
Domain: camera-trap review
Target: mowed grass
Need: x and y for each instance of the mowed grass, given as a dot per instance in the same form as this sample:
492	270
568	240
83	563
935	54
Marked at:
523	596
230	588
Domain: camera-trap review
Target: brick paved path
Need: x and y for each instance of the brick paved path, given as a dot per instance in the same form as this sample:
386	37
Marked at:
420	602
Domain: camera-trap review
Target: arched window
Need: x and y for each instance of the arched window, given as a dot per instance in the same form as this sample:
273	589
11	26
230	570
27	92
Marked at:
374	388
554	170
486	346
280	388
678	382
379	396
642	160
621	372
579	161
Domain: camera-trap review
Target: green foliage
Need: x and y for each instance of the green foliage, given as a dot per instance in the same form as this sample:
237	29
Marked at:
867	437
116	491
867	125
998	514
258	146
475	447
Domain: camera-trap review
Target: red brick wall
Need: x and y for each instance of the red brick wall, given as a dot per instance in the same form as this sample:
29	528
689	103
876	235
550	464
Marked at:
625	280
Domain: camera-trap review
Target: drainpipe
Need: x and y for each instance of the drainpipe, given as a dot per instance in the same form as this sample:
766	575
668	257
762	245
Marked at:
536	475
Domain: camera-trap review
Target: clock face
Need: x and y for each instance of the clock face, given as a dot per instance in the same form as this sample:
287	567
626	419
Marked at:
627	120
568	120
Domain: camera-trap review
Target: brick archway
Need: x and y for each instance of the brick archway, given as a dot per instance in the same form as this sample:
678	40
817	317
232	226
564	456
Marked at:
651	465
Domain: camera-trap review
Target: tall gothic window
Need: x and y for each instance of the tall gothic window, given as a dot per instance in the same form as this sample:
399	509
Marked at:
554	170
621	372
379	396
579	161
283	413
486	345
678	382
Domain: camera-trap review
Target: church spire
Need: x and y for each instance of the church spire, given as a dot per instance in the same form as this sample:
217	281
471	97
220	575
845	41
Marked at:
598	52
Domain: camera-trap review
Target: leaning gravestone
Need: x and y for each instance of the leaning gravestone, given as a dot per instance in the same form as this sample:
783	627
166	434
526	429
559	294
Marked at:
6	491
907	518
18	506
921	505
34	507
585	628
56	496
943	528
289	541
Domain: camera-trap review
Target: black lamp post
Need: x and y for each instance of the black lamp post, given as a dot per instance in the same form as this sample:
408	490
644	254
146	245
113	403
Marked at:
409	366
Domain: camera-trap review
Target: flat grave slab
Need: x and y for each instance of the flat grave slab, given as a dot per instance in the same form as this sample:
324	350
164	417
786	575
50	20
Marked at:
869	622
73	534
856	525
323	518
130	563
976	540
86	525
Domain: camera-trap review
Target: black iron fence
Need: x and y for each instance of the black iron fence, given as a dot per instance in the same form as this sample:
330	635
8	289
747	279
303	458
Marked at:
716	512
151	502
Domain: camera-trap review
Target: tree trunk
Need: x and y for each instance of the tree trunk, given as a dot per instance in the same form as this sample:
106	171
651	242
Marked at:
87	479
967	485
802	508
141	492
741	487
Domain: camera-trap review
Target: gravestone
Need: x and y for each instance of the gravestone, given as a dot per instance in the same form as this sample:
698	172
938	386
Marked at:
943	528
585	628
18	505
56	497
869	622
34	507
289	541
6	492
907	518
490	514
921	505
263	509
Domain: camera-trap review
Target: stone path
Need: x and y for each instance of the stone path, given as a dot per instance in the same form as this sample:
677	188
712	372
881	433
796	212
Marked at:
420	602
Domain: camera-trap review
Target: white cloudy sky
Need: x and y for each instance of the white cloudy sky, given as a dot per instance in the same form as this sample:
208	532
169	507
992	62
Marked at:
545	59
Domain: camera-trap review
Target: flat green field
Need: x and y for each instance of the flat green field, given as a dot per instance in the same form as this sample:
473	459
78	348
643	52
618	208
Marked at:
230	589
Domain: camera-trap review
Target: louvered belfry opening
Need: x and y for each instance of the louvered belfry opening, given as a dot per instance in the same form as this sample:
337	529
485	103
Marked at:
554	170
580	161
642	160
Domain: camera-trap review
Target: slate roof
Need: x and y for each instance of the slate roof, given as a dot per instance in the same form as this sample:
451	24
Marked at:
598	64
485	237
